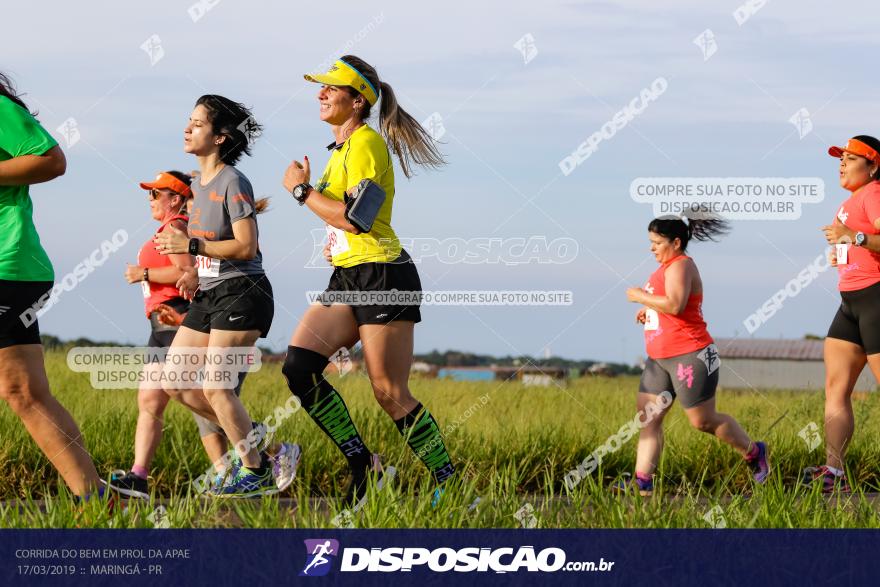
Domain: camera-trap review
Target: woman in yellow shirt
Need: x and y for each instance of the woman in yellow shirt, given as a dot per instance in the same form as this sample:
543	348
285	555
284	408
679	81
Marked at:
366	265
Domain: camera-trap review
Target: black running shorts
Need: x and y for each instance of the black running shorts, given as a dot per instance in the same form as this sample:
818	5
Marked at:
858	318
399	275
240	303
19	302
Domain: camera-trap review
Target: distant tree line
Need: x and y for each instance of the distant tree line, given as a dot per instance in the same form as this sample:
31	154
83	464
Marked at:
450	358
454	358
54	343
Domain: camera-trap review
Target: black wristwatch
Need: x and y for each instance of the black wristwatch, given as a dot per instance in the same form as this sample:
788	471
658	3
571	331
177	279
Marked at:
301	192
861	239
193	246
146	274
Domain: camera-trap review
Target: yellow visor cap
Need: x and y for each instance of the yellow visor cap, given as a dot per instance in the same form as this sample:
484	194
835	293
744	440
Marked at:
343	74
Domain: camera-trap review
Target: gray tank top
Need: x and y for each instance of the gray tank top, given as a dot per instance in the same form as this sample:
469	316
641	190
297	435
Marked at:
226	199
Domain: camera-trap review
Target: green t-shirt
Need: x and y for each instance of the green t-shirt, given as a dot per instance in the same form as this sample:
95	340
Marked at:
22	257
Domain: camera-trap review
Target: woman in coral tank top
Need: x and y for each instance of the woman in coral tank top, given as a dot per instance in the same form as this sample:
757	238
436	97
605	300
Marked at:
683	361
164	307
854	335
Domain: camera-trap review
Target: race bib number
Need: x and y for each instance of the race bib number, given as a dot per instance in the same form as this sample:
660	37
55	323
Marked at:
207	266
652	319
145	287
337	239
841	250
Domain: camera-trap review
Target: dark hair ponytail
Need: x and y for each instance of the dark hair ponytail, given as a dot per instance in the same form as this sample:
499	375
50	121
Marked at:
701	228
7	88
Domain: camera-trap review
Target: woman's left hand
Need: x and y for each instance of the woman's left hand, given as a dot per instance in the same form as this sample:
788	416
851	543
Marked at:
296	174
172	241
169	316
188	283
634	294
838	233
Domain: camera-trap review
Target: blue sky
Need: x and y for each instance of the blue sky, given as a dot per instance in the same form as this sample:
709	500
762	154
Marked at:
508	124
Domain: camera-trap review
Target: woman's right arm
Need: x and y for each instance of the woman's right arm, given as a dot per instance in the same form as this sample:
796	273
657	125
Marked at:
31	169
327	209
169	274
330	211
677	283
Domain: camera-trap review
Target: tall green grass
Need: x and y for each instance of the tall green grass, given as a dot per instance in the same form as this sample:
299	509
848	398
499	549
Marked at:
513	447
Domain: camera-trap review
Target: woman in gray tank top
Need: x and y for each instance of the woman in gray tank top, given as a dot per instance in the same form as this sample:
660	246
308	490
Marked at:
232	304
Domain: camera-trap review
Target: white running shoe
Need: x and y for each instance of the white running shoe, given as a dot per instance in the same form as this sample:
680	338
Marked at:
284	464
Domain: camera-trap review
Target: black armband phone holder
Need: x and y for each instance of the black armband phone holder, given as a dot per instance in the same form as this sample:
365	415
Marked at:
362	206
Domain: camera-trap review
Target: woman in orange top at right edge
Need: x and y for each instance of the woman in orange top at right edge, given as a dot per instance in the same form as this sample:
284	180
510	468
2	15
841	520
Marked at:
683	361
854	336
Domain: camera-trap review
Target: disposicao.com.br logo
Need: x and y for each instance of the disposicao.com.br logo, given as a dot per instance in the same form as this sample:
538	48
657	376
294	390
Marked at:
319	555
442	560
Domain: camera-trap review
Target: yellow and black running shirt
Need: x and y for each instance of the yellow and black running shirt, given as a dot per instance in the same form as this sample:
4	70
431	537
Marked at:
364	155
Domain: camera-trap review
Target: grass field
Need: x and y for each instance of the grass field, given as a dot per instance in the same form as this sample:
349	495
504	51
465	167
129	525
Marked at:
513	444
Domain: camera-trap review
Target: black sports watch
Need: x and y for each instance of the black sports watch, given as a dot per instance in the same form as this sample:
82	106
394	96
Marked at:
193	246
301	192
861	239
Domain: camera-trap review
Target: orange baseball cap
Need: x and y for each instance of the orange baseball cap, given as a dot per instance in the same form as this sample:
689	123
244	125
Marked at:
859	146
166	181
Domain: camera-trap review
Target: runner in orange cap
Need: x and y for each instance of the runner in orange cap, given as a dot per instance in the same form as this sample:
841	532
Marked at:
854	337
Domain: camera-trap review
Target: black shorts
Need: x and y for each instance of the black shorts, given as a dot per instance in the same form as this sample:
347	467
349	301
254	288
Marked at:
161	335
240	303
161	339
692	377
858	318
19	302
400	275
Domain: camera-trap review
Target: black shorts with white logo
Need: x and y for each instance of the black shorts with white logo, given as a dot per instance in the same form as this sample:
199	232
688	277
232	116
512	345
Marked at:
239	303
400	275
19	303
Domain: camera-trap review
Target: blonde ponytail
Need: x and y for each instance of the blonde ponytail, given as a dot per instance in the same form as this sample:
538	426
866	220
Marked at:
405	136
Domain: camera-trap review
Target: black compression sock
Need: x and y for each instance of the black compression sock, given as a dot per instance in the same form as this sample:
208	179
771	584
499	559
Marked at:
303	370
422	434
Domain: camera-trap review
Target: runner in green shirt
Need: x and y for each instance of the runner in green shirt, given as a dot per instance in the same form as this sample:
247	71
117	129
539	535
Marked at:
29	155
